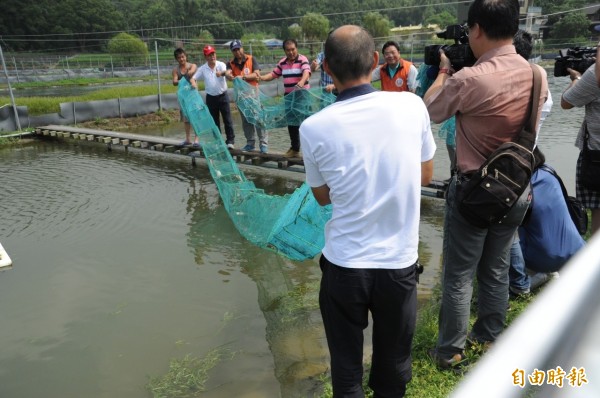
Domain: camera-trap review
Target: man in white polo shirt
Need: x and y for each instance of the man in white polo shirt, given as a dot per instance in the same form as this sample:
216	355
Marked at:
213	73
373	181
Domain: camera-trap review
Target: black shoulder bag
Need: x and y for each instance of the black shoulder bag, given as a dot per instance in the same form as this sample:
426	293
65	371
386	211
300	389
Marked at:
589	174
489	194
576	210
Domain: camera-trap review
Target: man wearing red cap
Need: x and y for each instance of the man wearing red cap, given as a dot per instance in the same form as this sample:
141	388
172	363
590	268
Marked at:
217	100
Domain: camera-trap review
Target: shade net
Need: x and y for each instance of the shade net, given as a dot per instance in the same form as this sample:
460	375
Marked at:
292	224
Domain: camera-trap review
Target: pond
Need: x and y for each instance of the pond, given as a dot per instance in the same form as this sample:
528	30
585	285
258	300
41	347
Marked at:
124	262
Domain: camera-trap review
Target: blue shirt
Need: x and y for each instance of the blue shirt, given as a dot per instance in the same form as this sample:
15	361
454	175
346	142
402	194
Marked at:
325	78
549	237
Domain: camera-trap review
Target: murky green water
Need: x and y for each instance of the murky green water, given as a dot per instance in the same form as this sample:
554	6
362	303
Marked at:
124	261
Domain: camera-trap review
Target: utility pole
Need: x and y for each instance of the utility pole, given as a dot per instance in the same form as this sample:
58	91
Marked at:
12	98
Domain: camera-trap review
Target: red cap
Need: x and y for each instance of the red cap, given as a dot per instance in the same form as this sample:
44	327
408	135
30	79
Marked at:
208	50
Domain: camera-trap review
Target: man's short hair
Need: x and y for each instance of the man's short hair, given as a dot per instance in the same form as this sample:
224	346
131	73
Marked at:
288	41
390	43
523	43
179	51
350	56
499	19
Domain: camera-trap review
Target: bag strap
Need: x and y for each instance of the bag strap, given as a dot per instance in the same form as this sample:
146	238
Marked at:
528	132
560	181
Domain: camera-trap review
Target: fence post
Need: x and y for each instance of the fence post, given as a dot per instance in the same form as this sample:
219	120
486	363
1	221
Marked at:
12	98
158	76
16	69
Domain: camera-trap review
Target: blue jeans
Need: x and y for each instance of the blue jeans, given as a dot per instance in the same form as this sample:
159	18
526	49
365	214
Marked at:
251	131
470	251
518	278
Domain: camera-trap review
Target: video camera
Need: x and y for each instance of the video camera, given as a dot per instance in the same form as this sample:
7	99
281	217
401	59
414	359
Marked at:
459	53
576	58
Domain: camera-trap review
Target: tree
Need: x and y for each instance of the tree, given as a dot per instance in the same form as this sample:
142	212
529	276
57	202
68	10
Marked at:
315	28
377	25
253	44
205	38
131	50
572	27
294	32
442	19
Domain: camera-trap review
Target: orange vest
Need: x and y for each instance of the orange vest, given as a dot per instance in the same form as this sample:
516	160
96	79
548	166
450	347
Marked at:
398	82
246	69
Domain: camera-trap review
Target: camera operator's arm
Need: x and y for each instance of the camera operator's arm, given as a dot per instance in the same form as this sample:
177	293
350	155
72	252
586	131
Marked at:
575	76
444	73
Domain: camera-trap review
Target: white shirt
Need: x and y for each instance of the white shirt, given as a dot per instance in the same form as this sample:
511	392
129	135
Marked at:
368	149
213	85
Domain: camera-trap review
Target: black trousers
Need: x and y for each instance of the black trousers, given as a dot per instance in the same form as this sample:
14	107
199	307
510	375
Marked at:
294	132
219	104
346	296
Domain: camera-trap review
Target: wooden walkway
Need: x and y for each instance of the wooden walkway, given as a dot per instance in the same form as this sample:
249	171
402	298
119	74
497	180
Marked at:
161	144
113	138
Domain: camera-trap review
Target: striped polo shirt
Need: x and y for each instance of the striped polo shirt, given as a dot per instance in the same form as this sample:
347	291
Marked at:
292	72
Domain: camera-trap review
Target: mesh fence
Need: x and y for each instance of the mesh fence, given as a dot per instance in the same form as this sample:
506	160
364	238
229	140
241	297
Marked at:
291	225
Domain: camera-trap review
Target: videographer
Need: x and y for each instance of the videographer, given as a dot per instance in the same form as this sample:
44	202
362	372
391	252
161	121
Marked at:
584	91
490	101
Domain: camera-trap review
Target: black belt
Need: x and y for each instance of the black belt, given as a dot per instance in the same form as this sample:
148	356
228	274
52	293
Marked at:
217	96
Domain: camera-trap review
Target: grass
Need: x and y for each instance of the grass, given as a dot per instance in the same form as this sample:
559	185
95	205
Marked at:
44	105
82	81
185	378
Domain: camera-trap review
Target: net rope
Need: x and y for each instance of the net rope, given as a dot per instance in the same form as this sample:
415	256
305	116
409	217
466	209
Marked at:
292	224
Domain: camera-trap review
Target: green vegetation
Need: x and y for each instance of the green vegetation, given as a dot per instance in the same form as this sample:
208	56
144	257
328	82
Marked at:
128	49
84	81
68	25
44	105
186	377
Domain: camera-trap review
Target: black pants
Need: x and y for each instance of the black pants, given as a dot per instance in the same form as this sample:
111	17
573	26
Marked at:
219	104
346	296
294	132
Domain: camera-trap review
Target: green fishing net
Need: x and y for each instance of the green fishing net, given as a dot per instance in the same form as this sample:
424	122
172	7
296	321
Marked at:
280	111
291	225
